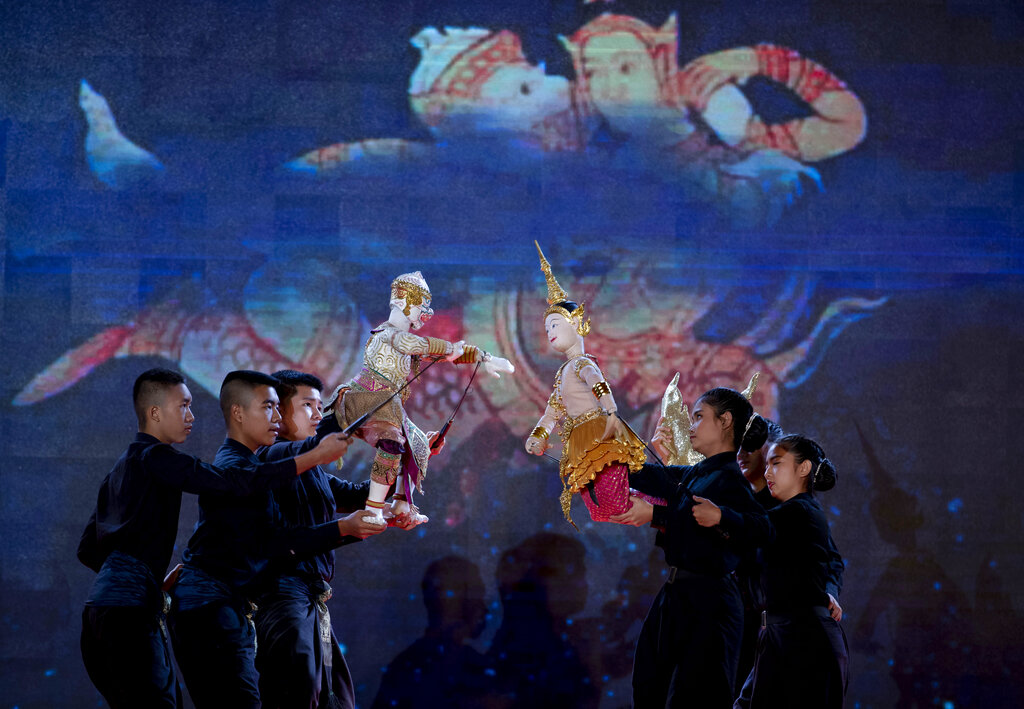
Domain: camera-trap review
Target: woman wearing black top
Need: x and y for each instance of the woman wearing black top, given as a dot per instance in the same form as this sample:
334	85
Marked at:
688	647
798	631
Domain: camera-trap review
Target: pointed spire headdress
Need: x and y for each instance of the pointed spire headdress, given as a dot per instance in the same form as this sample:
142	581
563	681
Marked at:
558	298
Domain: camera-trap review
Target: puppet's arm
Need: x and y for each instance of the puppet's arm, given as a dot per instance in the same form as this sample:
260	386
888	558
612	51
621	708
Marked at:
592	376
410	344
538	442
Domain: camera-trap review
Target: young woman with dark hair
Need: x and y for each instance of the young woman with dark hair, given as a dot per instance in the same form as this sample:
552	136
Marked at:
689	644
798	629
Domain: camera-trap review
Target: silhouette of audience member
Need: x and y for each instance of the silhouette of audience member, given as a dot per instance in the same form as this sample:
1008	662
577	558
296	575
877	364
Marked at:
441	669
542	582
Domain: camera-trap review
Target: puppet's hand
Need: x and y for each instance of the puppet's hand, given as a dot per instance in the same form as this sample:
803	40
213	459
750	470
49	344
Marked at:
457	349
613	427
496	365
536	445
432	437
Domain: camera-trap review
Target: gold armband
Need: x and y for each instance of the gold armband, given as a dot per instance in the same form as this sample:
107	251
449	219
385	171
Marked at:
600	389
541	433
469	355
436	346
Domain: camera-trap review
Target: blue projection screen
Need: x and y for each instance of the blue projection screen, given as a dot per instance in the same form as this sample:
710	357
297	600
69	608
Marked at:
826	193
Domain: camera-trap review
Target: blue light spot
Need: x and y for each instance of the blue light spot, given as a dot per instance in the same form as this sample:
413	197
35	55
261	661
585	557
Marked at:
992	564
834	510
487	535
891	662
490	672
343	648
948	705
449	593
412	596
605	678
50	673
494	551
937	585
631	546
568	621
955	505
611	693
959	539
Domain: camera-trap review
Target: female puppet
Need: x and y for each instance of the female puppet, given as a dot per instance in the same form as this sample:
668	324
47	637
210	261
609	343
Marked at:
393	353
597	453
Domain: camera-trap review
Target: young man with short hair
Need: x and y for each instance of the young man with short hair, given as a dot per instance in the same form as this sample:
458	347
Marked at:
235	540
298	666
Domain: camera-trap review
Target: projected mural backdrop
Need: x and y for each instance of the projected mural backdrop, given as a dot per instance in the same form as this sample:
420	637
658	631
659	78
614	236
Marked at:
233	188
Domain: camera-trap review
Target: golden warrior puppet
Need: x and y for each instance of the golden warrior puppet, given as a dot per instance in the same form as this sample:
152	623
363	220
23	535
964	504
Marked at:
392	354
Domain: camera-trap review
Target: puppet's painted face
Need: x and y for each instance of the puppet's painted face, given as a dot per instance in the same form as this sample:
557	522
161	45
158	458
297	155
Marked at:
785	477
561	333
419	315
621	78
301	413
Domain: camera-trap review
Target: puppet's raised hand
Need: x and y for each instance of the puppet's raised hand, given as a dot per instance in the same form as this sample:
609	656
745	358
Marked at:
612	427
496	365
457	349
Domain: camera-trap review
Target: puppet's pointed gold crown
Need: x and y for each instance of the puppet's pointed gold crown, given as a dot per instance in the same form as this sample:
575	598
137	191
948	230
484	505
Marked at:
555	292
556	295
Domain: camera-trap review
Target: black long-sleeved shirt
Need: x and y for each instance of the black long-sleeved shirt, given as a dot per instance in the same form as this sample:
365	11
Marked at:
236	538
796	557
712	551
836	565
313	497
140	499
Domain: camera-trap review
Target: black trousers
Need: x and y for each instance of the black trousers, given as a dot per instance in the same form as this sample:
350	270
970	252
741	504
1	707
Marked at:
127	658
688	647
802	663
216	650
293	674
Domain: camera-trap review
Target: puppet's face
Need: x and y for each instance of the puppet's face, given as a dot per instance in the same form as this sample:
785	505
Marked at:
420	314
561	333
259	419
785	477
172	420
301	413
621	78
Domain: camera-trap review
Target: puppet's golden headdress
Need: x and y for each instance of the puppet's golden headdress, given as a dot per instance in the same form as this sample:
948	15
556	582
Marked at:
557	296
412	287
